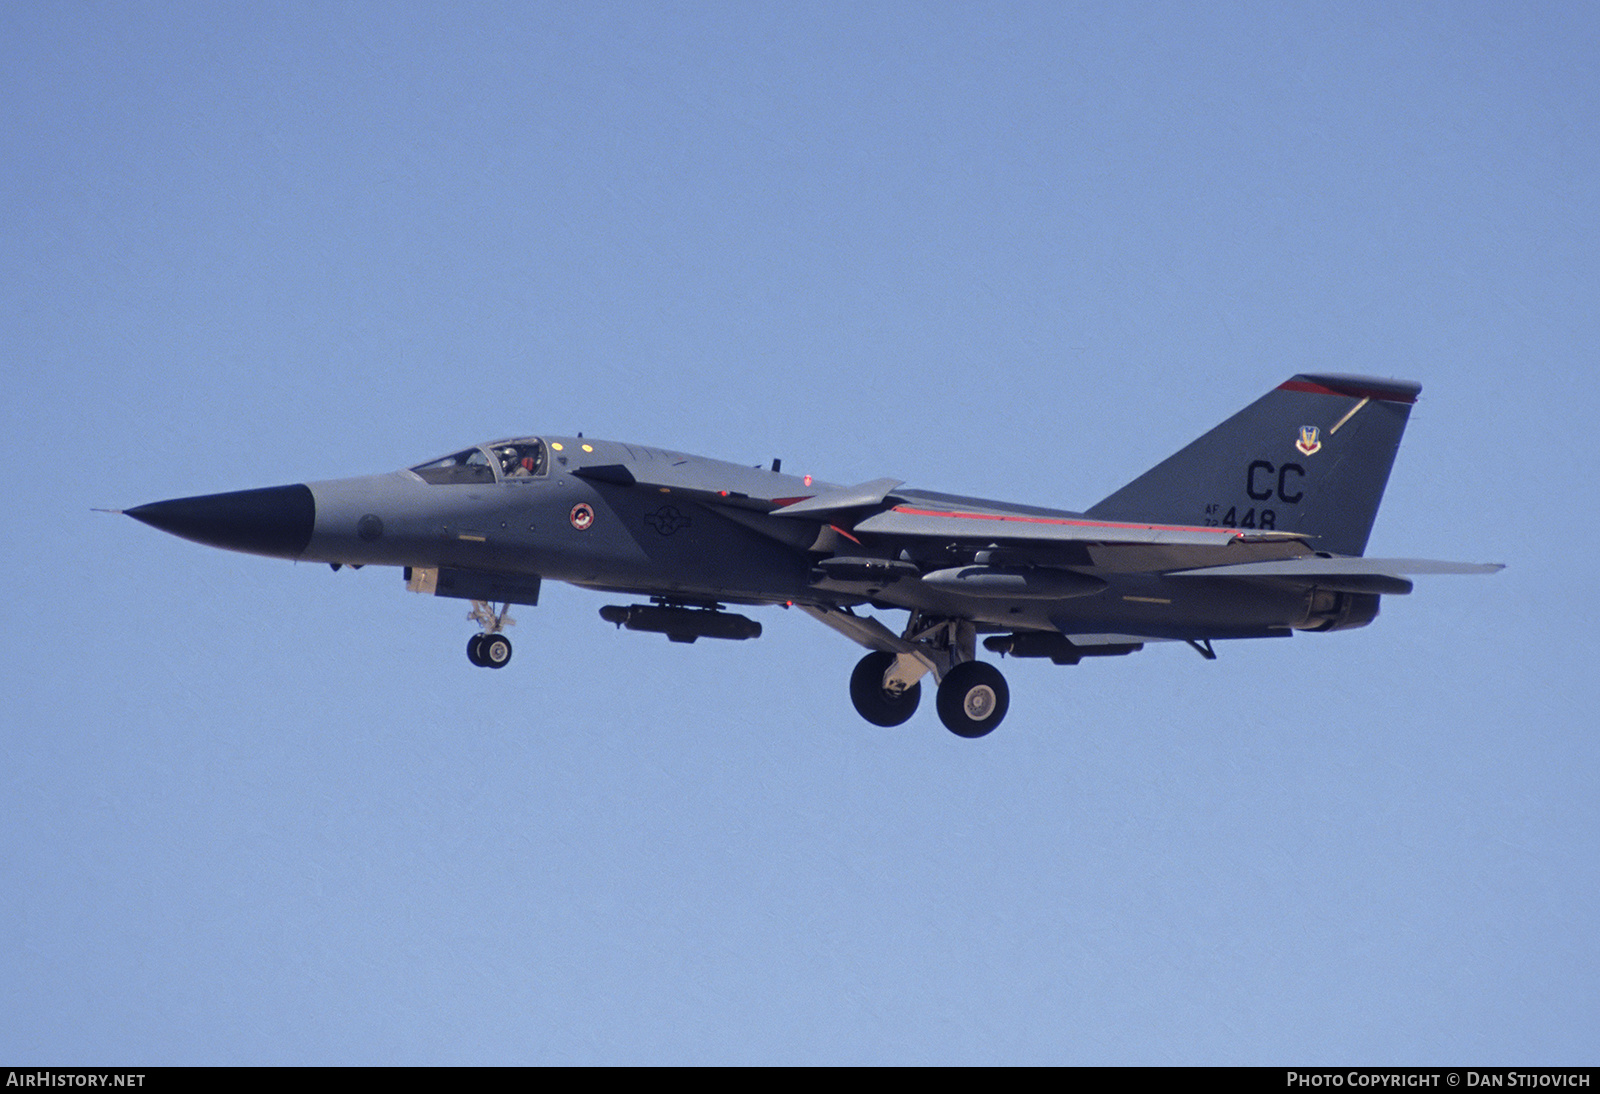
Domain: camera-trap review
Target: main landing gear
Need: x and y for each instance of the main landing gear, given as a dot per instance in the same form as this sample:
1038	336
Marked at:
491	649
972	698
880	703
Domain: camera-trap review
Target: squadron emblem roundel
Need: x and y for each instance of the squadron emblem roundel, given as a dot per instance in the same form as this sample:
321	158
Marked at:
582	517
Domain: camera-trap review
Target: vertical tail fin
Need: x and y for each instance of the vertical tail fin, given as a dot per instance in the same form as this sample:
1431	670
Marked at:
1312	457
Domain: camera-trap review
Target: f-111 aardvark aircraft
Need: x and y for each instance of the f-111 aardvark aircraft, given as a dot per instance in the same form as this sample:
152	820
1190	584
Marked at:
1255	530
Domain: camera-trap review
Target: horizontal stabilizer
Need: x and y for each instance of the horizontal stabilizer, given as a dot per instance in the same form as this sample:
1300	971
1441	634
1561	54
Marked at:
1366	575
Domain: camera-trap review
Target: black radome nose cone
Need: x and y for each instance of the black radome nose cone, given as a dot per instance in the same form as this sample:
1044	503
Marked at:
273	521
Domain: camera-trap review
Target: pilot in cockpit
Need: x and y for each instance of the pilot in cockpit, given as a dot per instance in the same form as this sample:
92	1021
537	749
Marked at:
519	461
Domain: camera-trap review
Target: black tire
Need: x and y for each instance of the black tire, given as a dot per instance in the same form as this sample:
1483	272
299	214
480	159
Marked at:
495	651
880	707
472	650
973	699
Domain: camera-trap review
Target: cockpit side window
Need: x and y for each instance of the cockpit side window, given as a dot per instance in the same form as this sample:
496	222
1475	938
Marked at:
521	460
461	467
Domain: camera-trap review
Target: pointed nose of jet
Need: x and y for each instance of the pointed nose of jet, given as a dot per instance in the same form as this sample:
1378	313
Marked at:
276	521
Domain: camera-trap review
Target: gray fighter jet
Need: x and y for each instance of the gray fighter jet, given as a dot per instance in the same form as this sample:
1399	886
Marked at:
1255	530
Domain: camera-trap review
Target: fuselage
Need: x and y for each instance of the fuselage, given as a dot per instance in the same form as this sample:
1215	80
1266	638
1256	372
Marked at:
651	522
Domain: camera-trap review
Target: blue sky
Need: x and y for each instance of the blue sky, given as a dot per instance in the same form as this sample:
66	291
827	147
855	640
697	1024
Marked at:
265	813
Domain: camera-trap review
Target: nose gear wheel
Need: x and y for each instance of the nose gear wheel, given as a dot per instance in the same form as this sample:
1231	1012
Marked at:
490	650
494	651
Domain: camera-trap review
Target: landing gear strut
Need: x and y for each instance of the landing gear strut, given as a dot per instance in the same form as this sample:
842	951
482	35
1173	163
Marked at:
490	650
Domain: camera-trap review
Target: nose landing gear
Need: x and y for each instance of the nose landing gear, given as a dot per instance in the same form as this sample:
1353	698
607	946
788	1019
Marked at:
490	650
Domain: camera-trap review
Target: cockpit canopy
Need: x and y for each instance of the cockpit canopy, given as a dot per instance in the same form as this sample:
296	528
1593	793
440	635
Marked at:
504	461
